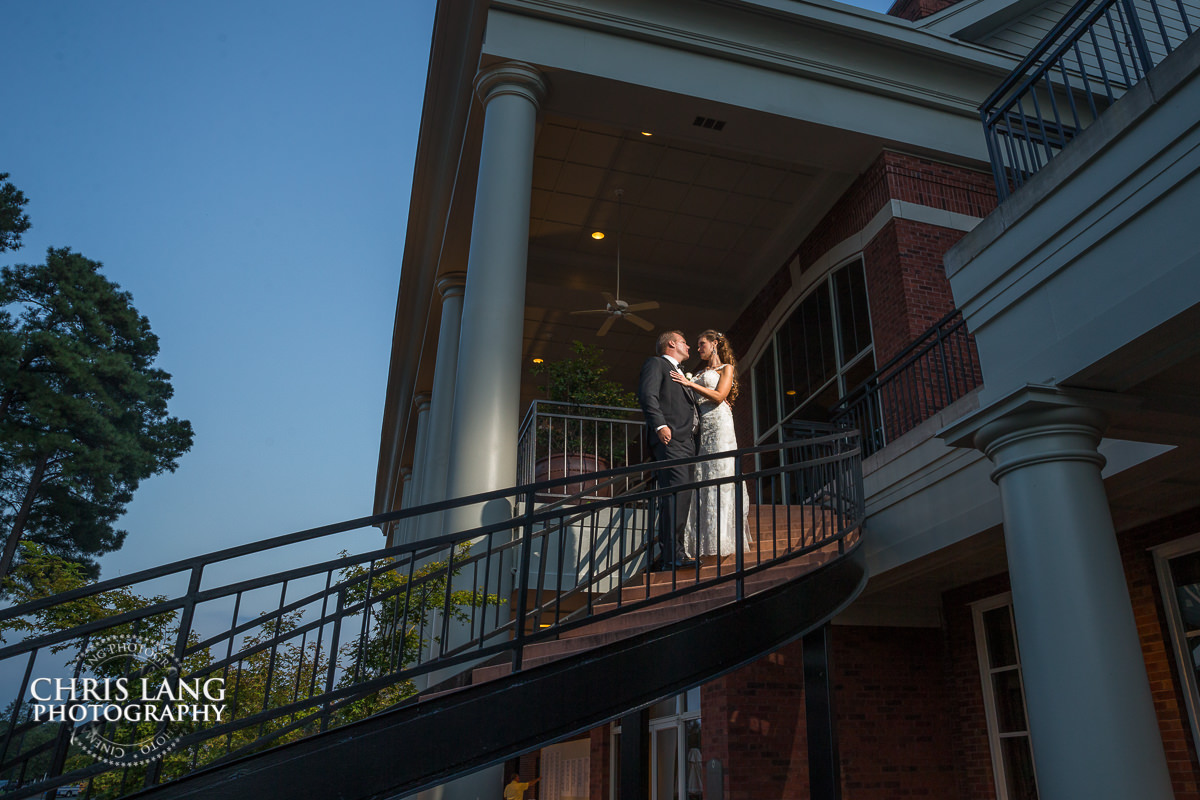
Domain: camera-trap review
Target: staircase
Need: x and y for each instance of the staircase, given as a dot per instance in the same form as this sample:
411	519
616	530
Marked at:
599	639
707	596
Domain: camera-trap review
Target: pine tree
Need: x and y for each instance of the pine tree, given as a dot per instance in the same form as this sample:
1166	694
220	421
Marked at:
83	410
13	221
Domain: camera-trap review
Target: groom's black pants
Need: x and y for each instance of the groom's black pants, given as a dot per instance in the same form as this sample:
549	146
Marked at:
671	505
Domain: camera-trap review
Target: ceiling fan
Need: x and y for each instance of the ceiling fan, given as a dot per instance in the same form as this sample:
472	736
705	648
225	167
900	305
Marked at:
615	307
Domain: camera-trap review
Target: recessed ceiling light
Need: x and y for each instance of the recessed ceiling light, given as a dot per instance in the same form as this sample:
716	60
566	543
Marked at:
537	361
790	392
597	235
647	133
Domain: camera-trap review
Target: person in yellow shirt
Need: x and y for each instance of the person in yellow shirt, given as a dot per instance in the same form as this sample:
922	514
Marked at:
515	790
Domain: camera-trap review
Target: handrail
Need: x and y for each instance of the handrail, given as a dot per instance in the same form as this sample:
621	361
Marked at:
557	438
936	369
1087	61
344	637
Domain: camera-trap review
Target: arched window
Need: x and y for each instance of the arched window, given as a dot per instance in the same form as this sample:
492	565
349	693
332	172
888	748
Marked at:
821	351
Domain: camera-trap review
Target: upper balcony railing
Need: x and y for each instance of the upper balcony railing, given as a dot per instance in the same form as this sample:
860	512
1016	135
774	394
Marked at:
938	368
1096	53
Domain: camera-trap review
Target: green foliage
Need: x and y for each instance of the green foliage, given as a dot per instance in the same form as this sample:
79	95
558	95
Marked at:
83	410
291	670
41	574
580	380
400	625
13	221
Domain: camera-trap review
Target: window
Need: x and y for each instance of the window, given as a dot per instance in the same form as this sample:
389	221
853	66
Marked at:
676	760
820	352
1004	699
1178	566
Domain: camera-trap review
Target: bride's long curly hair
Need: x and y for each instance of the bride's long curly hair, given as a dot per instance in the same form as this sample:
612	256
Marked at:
725	356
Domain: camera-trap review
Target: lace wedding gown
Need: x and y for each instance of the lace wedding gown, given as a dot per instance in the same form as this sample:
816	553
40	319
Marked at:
711	529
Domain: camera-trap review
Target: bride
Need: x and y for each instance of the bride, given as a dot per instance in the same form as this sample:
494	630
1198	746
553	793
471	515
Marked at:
716	387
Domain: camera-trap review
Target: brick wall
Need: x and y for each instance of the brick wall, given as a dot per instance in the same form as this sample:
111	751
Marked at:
906	282
917	9
601	741
892	707
753	721
1150	616
968	724
909	702
966	695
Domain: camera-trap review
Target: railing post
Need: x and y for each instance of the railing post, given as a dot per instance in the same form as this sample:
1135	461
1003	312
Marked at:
521	585
1139	36
824	767
998	174
739	529
154	768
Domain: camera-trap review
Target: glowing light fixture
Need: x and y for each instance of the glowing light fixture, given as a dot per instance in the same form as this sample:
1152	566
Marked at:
537	361
597	235
790	392
647	133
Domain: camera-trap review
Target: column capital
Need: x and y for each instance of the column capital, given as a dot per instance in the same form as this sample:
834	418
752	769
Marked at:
511	77
421	401
452	284
1033	425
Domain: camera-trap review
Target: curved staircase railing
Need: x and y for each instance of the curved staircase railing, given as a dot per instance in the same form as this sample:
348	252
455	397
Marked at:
366	646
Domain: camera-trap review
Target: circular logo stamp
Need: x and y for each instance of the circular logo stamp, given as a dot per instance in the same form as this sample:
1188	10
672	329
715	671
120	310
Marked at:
132	697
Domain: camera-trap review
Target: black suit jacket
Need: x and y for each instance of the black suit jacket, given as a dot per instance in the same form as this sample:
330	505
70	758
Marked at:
663	401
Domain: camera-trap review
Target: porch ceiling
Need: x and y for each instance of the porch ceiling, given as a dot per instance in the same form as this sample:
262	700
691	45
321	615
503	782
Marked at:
701	225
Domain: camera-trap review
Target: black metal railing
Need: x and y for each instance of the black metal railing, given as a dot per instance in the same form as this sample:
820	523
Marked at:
938	368
301	649
1096	53
556	440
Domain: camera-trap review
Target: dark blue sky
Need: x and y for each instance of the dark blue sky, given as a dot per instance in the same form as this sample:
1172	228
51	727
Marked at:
243	169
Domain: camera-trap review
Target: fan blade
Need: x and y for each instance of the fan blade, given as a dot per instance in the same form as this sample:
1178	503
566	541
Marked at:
643	306
593	311
641	323
608	323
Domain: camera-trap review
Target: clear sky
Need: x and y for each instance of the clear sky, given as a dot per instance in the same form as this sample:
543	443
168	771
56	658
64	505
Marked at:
243	169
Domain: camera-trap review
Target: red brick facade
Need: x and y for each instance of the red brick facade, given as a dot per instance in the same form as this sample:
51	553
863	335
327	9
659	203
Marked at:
909	702
907	286
753	721
1148	611
918	9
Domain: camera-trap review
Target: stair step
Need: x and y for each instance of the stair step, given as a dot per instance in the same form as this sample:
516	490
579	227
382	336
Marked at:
629	624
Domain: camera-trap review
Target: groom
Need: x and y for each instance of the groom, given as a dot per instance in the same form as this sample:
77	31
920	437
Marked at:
672	425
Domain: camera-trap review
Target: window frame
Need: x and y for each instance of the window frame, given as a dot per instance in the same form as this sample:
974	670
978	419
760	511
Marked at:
1162	555
825	283
986	671
685	709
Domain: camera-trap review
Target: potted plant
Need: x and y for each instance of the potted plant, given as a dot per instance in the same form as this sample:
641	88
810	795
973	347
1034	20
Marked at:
579	446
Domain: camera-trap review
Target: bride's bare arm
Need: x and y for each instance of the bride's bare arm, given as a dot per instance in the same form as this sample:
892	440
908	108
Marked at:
717	395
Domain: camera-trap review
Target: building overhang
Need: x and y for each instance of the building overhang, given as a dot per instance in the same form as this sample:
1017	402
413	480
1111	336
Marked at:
810	92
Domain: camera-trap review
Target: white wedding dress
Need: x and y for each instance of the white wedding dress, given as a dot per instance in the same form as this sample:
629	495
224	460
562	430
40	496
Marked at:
711	529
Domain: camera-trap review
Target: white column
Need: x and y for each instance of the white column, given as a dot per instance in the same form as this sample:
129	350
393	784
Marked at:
483	444
441	410
1091	714
397	533
412	497
487	386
